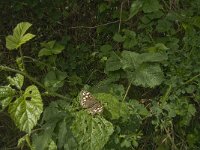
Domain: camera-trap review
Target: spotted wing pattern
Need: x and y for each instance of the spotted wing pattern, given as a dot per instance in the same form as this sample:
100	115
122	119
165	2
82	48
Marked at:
88	101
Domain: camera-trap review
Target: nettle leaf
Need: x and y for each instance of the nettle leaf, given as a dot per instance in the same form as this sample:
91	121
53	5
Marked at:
151	6
51	48
113	106
52	145
17	81
6	95
19	37
113	63
146	75
91	132
135	7
26	110
54	80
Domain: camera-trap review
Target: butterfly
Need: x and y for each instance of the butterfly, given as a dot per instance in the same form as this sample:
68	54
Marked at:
88	101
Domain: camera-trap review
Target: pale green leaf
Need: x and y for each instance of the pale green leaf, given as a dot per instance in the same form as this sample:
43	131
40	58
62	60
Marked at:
52	145
19	37
6	96
153	57
17	81
26	110
92	133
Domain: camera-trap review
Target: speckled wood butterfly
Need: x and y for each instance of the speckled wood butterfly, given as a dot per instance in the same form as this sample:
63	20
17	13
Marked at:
88	101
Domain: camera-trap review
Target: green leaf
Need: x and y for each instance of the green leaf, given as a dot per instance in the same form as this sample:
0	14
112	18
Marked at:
146	75
151	6
50	48
54	80
19	37
130	39
52	145
153	57
113	63
118	37
130	60
112	105
17	81
6	96
92	133
26	110
135	7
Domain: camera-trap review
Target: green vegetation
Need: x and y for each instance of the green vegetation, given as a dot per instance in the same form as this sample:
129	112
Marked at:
139	59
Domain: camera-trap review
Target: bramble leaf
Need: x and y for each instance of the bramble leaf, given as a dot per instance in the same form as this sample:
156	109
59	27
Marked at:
26	110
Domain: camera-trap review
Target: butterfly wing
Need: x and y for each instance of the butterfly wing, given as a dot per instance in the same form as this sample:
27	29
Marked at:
88	101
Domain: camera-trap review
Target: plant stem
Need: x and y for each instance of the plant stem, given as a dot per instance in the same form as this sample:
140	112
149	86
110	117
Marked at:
21	55
129	86
5	68
191	79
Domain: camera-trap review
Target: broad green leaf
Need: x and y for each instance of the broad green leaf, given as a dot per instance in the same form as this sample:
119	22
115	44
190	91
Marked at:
92	133
26	110
54	80
146	75
50	48
6	96
151	6
130	60
113	63
135	7
118	37
66	139
153	57
19	37
159	47
17	81
112	105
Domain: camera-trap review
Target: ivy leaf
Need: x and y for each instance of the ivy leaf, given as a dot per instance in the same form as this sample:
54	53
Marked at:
17	81
146	75
54	80
135	7
92	133
19	37
6	96
26	110
115	108
51	48
151	6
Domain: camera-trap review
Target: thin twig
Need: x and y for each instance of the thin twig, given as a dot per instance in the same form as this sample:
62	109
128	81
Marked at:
120	18
96	26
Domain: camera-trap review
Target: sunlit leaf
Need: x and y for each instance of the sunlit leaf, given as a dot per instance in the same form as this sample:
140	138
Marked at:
17	81
19	37
26	110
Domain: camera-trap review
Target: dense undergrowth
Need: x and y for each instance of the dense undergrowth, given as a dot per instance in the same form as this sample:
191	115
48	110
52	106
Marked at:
139	59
